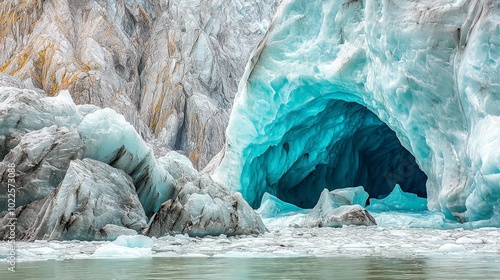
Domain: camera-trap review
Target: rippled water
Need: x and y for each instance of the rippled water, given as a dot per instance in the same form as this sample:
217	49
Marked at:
261	268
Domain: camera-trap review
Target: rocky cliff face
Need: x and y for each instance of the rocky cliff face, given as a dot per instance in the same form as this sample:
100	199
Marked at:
171	67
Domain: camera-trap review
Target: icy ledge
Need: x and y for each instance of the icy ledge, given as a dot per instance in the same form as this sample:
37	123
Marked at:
342	93
84	173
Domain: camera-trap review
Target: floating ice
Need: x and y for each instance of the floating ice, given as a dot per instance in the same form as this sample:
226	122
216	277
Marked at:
451	248
134	241
330	213
283	242
412	219
398	200
111	232
126	247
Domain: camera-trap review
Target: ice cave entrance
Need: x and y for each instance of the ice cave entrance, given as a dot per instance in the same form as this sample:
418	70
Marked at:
342	145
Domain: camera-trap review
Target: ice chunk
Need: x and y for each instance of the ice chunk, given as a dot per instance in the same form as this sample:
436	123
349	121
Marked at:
179	166
41	160
109	138
412	219
91	196
272	207
24	110
112	232
115	251
355	195
330	213
202	208
451	248
289	220
398	200
134	241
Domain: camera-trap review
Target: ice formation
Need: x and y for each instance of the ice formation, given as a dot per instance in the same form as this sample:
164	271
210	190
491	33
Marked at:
202	208
126	247
346	93
398	200
109	138
334	212
273	207
340	207
85	173
352	196
41	159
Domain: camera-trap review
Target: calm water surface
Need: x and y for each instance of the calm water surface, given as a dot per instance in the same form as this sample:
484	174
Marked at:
261	268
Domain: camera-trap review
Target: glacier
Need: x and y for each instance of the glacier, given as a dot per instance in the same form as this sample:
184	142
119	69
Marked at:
373	93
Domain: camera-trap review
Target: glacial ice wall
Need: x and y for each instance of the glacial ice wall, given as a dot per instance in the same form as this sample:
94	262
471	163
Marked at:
429	71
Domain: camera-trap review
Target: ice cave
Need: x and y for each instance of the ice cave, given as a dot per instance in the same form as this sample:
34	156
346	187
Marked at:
331	144
363	93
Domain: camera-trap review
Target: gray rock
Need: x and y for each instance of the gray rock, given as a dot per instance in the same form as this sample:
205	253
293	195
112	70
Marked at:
9	81
202	208
330	212
41	160
91	197
188	86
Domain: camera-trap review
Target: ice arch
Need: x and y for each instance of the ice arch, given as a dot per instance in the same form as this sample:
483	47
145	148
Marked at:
332	144
429	70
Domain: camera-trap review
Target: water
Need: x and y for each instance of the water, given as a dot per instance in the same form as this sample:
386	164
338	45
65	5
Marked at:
261	268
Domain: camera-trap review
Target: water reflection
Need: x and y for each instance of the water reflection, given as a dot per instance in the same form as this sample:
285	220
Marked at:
261	268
